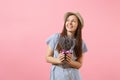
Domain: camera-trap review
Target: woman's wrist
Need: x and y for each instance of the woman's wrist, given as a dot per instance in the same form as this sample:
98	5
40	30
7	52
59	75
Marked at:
74	64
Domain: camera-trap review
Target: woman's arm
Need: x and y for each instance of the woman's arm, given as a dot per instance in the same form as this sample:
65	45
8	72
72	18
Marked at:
51	59
75	64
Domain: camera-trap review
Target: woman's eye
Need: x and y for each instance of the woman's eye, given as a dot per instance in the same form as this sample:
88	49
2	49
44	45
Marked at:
70	20
73	21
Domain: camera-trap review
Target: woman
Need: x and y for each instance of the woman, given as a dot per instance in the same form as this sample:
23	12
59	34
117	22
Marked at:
67	68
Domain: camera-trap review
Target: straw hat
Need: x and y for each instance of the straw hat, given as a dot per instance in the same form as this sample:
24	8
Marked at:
76	14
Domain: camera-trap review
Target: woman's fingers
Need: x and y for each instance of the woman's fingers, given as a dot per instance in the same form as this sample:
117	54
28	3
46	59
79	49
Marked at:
61	57
69	58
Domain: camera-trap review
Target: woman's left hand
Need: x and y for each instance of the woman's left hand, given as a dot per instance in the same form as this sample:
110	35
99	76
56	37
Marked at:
69	58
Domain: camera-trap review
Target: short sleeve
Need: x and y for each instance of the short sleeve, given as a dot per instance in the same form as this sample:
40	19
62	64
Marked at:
84	47
52	41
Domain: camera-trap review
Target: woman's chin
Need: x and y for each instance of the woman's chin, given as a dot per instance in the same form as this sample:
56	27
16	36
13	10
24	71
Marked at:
69	30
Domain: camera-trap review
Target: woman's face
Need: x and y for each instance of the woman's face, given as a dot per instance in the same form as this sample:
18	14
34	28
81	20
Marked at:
71	23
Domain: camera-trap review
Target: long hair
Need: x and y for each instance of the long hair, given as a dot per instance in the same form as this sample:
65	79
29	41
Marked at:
77	36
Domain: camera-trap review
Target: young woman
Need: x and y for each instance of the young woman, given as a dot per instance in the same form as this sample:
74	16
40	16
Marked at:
67	68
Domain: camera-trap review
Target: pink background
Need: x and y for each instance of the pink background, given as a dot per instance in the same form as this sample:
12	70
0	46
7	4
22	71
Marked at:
26	24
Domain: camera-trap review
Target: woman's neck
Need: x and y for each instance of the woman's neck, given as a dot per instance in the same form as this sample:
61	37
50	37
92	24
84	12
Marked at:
70	34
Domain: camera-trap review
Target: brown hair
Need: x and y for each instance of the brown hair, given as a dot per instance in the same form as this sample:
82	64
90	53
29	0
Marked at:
77	35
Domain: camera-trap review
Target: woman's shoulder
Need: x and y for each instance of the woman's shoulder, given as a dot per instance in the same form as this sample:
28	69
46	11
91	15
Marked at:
55	36
52	40
84	47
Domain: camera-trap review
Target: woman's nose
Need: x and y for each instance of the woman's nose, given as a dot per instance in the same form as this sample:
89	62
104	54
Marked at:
70	22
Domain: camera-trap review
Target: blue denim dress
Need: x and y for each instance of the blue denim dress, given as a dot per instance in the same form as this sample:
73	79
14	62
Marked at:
63	72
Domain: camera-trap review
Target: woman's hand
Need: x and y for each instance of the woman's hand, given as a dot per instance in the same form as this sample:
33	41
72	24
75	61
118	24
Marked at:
61	58
69	58
74	63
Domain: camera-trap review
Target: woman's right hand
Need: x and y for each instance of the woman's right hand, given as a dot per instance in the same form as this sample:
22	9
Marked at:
61	58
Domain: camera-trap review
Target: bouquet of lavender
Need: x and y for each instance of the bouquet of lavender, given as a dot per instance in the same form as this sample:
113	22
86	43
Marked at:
67	44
